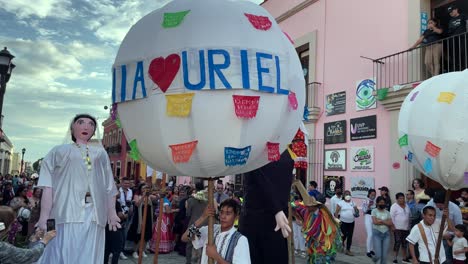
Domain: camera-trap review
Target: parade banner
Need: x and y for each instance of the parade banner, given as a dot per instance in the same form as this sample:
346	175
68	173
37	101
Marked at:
335	160
363	127
360	186
362	158
292	101
335	103
246	106
331	183
182	152
273	151
365	98
179	105
236	156
335	132
195	69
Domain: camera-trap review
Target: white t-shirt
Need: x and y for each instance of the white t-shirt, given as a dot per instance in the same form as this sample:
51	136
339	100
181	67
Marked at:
241	251
432	232
333	202
347	211
459	243
400	216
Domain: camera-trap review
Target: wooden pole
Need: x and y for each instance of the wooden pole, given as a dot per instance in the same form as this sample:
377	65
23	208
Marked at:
211	218
159	222
143	226
442	225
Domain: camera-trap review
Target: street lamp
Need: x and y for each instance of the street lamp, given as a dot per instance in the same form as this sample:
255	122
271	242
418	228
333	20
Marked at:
6	68
22	159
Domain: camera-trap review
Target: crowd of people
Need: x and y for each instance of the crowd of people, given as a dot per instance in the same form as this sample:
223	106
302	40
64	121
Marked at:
80	207
182	206
402	221
412	222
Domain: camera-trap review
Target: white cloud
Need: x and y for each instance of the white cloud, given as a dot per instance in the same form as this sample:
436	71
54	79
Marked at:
42	62
86	51
113	20
38	8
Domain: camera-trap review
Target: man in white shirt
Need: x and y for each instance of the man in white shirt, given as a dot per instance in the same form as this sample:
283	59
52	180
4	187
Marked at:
400	213
438	202
219	195
336	199
229	245
431	228
125	200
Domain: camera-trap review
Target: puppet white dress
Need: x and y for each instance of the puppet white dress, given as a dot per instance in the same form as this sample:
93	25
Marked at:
80	221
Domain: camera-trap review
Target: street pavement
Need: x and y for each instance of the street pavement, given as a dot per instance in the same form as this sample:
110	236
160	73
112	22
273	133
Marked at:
174	258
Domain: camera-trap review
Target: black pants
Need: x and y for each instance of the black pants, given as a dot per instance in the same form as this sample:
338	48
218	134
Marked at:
265	245
347	230
113	245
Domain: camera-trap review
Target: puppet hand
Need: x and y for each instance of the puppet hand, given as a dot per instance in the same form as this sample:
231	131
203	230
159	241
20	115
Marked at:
41	224
282	223
114	221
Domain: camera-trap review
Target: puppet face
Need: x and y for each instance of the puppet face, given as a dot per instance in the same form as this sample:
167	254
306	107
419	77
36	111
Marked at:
83	129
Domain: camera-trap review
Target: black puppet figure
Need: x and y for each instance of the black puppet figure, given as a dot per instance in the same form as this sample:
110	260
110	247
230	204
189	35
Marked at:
265	210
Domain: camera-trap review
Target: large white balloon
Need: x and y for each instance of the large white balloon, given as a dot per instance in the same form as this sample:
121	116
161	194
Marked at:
213	49
433	129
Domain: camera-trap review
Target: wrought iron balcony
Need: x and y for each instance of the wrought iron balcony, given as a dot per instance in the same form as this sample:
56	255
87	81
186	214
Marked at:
398	73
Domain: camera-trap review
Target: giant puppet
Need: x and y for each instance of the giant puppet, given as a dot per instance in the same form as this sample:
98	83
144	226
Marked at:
433	131
79	194
208	88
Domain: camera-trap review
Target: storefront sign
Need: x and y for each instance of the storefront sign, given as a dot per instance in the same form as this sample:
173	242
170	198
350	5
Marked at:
365	98
331	183
335	132
335	159
360	186
362	158
335	103
363	127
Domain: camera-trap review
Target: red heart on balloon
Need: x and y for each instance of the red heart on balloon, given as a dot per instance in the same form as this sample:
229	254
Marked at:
163	71
259	22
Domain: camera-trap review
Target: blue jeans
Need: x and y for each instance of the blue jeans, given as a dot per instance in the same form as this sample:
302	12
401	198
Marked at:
381	243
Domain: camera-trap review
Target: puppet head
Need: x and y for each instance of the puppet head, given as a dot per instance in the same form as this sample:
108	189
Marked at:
83	128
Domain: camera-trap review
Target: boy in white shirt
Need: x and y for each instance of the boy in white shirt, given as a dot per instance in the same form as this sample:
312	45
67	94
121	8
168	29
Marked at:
431	228
459	244
229	245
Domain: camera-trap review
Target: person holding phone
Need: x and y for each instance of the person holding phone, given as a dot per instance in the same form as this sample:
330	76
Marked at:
10	254
433	47
79	193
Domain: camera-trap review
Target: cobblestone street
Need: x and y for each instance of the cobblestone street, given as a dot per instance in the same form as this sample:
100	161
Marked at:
174	258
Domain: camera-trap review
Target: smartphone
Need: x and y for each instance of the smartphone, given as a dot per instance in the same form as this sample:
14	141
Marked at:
50	225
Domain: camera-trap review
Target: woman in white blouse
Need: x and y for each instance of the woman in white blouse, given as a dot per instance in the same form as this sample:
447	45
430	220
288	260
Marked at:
347	211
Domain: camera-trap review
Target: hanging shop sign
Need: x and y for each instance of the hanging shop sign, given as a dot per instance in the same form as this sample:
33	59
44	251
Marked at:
335	132
335	159
363	128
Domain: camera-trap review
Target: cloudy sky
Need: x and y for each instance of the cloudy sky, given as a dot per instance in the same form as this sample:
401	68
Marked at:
64	52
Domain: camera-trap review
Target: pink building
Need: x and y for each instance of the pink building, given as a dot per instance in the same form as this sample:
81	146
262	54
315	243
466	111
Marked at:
116	145
340	44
